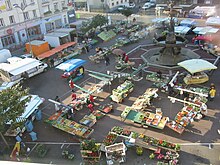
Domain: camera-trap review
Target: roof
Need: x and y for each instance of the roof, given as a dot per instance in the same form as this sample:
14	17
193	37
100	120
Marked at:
21	66
204	30
188	22
32	106
213	21
37	42
55	50
71	64
66	30
181	29
55	34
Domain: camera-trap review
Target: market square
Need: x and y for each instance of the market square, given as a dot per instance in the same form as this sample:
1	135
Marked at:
132	109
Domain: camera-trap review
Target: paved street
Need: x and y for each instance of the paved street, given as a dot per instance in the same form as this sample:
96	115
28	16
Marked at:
194	142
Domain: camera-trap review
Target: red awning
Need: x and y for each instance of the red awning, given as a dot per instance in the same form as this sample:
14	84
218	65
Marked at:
55	50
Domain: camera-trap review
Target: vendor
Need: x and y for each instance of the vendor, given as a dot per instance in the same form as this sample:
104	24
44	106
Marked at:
99	50
125	58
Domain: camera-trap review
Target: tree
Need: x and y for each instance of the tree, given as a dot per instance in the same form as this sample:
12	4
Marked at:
127	13
98	20
12	105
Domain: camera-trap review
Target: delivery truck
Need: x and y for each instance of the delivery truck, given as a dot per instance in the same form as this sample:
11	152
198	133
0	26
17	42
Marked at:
20	69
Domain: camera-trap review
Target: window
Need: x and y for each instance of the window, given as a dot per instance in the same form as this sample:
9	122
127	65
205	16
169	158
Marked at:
12	19
34	13
8	40
63	4
2	22
8	4
32	1
26	16
113	4
117	3
55	6
125	0
121	1
24	2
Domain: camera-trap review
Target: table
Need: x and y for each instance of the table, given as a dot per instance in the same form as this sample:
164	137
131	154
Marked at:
175	127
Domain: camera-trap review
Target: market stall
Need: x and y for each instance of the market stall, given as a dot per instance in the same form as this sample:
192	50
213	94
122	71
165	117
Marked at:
88	120
196	68
58	121
144	100
122	91
99	56
145	141
144	118
90	151
73	69
115	153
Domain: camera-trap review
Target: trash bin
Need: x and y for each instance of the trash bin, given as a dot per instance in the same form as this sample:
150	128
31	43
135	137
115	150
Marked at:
29	126
38	115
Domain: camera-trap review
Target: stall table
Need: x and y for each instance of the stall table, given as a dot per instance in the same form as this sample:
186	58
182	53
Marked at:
88	121
175	127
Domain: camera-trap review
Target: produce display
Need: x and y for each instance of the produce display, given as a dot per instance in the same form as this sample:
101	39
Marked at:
144	118
90	150
109	139
175	126
122	91
98	114
203	90
107	35
186	116
154	78
148	141
144	100
69	126
106	108
88	121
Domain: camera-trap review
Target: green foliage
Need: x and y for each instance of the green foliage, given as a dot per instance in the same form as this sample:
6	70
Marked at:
127	12
12	104
41	150
98	20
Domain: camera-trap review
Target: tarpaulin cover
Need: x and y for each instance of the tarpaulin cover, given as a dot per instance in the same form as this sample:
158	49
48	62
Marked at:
71	64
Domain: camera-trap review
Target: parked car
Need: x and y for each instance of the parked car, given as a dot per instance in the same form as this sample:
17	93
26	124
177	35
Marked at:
146	6
131	5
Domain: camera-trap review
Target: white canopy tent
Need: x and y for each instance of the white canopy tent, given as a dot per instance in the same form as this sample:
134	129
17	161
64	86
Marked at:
188	22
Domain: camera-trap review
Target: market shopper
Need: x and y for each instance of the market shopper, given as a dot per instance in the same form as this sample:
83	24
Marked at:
212	93
91	107
107	60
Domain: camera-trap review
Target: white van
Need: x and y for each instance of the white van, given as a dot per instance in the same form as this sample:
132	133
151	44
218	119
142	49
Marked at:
15	70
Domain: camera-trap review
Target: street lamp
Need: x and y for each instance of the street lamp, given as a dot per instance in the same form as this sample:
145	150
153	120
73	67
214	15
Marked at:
22	7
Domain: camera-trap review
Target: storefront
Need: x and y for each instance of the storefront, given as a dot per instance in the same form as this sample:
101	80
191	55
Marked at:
34	32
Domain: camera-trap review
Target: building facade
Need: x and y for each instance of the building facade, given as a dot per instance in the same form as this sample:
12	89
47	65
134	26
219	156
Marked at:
25	20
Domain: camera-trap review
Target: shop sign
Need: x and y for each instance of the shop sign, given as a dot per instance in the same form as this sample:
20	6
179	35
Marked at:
9	31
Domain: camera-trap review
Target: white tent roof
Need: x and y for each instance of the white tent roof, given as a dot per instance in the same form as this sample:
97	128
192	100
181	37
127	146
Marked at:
20	66
213	21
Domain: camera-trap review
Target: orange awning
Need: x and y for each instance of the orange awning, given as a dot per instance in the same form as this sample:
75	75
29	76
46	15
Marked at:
55	50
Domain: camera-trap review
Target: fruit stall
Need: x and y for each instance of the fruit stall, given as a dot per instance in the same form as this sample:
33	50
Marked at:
90	151
144	100
163	151
69	126
88	120
122	91
144	118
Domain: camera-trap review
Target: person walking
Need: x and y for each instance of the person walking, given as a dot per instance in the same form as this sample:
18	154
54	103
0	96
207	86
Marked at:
107	60
90	106
212	93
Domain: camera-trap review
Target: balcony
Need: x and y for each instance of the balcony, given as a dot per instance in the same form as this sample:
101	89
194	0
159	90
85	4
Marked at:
56	11
47	13
45	1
